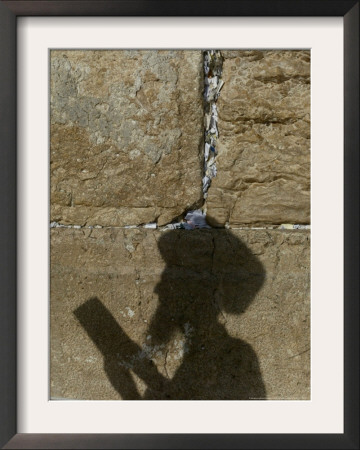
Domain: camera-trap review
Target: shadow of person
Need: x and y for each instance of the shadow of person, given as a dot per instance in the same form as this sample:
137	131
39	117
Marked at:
208	272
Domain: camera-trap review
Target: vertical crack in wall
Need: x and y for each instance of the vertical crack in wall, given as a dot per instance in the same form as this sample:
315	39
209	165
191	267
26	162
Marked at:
213	63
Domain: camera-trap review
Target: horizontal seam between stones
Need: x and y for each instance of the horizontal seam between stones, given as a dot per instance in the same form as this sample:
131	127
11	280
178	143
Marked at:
132	227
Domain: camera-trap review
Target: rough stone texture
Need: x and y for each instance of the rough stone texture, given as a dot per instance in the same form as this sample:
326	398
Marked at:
204	314
264	145
126	135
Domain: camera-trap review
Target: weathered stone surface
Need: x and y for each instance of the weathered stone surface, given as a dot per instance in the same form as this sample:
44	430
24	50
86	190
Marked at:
126	135
264	145
204	314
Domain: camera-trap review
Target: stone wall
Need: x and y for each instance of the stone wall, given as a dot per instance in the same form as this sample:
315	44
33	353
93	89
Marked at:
264	144
139	313
126	136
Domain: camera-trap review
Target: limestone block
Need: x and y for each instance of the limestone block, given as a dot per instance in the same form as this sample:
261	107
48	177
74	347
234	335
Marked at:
263	163
126	135
203	314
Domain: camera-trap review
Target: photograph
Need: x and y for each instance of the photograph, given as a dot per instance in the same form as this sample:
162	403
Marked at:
180	224
178	183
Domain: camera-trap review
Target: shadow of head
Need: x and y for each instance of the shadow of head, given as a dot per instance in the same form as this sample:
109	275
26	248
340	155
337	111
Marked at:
207	265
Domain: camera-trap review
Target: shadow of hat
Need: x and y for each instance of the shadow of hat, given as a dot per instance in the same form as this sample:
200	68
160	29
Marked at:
215	257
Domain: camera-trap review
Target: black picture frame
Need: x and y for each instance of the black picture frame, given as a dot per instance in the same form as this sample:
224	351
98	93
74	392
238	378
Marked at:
9	11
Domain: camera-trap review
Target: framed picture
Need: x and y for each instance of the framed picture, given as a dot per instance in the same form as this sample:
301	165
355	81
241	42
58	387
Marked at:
143	304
